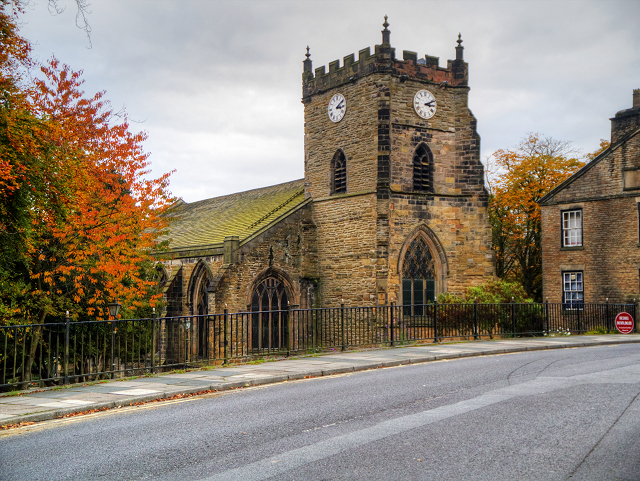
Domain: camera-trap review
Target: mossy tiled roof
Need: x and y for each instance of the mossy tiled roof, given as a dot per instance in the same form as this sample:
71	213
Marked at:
208	222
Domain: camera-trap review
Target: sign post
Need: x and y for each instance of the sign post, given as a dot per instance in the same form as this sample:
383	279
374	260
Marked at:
624	323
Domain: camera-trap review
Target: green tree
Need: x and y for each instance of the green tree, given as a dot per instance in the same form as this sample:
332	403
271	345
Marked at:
518	179
79	215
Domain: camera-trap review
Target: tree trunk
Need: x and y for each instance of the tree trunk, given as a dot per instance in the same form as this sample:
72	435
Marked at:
36	336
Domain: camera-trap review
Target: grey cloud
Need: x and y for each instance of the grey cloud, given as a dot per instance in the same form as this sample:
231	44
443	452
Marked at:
218	83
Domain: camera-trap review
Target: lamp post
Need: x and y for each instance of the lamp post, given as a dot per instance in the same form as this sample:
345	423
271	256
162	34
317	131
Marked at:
114	309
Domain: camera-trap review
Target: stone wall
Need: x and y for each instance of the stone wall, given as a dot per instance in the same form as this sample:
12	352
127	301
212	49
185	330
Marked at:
609	257
288	248
356	134
457	210
361	234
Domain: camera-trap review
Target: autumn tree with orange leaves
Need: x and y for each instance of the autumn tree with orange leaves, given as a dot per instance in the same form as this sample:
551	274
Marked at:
518	178
79	216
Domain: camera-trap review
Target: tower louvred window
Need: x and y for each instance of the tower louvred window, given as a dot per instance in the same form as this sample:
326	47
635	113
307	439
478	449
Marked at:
339	173
423	169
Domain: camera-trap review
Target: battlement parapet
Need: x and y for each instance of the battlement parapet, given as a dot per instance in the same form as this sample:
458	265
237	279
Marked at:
314	82
426	69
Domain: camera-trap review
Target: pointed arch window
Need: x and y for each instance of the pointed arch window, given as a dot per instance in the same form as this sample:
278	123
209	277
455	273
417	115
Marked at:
199	299
339	173
423	169
418	277
269	322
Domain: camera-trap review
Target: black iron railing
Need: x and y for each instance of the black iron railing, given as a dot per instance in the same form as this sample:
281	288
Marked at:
72	352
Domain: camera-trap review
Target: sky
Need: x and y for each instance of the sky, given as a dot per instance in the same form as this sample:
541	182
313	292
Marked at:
217	85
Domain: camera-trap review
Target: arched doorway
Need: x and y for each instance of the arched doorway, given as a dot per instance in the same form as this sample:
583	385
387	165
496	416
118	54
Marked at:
269	318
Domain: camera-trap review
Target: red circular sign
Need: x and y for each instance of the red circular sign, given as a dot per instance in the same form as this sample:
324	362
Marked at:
624	323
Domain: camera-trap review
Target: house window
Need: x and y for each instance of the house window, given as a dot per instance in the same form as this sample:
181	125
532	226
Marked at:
573	290
572	228
423	169
339	173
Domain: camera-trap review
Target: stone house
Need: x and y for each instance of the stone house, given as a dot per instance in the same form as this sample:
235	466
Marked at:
591	223
392	207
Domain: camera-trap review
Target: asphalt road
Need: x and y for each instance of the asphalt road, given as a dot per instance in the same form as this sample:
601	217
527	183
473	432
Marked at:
560	414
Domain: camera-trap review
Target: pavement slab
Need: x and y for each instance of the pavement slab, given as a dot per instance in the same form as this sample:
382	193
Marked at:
49	403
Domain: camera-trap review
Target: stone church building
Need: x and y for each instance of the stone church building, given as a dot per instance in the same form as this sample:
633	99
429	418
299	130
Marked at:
392	207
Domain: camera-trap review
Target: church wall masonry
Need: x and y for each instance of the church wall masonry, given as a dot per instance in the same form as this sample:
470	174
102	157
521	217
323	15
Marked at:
287	247
457	210
380	210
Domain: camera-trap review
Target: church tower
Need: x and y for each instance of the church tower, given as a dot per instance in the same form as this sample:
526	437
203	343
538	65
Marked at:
393	171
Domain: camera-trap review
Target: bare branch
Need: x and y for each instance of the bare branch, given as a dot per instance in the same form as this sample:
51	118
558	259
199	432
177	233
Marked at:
81	15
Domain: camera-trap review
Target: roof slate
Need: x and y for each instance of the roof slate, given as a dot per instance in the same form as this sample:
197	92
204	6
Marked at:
208	222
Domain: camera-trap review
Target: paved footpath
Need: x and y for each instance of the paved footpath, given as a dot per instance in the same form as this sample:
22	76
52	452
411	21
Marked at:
51	403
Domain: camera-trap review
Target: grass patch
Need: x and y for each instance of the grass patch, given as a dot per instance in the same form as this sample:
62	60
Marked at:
597	330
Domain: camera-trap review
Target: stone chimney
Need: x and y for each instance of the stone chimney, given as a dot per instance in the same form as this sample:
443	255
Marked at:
626	121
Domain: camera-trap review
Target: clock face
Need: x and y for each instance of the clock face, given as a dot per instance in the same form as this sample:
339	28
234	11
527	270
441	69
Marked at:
425	104
337	107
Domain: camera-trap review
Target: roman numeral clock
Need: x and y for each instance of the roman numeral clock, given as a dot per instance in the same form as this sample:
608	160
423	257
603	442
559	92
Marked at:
424	104
337	108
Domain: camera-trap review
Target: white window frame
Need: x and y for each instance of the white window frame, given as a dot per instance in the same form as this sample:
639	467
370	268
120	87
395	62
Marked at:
572	228
573	290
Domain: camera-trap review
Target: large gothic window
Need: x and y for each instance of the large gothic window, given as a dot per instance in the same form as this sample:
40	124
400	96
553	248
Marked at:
423	169
269	318
418	277
339	173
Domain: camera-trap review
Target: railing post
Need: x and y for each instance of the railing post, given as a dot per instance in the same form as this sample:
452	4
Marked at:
607	315
314	327
391	318
513	316
546	307
579	322
344	339
226	336
290	330
154	342
66	348
187	342
435	321
476	334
